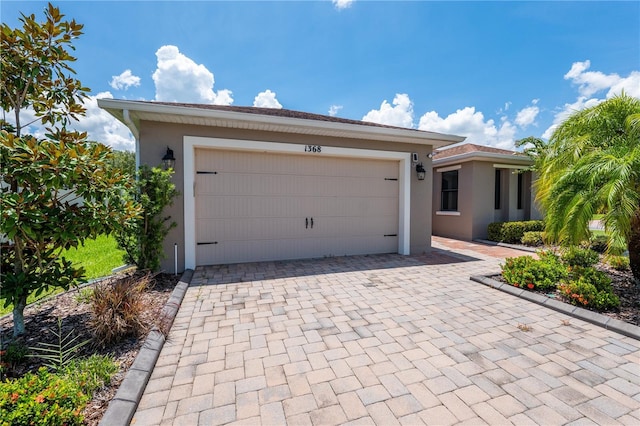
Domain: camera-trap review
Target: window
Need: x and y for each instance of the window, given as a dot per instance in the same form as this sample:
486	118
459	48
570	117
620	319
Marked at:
520	190
450	191
498	187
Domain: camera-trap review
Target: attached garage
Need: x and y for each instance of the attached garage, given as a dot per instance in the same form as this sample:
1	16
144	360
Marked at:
254	206
262	184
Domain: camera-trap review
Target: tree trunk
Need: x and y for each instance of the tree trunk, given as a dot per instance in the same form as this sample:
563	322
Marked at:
634	246
18	316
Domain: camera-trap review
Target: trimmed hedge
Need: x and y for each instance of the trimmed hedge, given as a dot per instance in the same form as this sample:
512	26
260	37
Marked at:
512	232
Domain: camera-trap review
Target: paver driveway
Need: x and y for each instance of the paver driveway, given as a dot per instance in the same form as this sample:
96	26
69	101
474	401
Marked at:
383	340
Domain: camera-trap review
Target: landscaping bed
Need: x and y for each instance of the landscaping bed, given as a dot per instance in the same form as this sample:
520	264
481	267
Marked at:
622	285
74	311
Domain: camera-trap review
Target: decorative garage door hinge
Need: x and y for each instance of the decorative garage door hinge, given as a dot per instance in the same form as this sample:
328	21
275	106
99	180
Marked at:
207	243
390	235
390	178
204	172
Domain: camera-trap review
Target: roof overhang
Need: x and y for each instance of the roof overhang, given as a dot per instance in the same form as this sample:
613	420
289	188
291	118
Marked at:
483	156
131	113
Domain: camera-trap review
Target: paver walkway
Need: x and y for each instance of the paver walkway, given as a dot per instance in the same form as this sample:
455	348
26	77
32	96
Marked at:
384	340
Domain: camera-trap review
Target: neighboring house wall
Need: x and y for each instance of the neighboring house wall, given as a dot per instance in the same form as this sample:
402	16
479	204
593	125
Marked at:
477	197
155	137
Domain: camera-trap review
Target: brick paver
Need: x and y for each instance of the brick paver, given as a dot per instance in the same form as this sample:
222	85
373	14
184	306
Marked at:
383	339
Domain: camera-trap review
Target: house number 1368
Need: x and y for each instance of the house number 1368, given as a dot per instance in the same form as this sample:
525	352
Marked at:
312	148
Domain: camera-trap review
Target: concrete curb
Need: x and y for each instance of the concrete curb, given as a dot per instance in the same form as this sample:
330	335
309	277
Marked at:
511	246
123	406
604	321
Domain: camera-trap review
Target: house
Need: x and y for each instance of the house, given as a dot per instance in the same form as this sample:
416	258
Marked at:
475	185
261	184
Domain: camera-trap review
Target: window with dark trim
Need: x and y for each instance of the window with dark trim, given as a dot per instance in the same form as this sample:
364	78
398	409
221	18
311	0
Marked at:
449	199
520	190
498	187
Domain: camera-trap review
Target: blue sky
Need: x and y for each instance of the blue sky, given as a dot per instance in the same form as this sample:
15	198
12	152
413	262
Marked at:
492	71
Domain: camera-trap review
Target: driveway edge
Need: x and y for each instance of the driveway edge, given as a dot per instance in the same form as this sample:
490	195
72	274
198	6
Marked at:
604	321
124	404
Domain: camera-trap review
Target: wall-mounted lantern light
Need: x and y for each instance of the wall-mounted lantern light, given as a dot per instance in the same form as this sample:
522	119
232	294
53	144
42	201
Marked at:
420	171
168	160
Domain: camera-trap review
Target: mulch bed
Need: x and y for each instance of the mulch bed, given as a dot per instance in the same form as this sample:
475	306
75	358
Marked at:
41	321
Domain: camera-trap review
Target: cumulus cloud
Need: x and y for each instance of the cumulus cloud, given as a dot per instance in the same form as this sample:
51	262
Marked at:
472	124
103	127
124	80
179	79
589	84
266	99
334	110
100	125
400	115
527	116
342	4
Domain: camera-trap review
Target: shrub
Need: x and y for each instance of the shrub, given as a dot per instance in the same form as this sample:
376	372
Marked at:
584	292
142	240
512	232
494	231
619	263
578	256
116	308
534	274
598	243
533	238
43	399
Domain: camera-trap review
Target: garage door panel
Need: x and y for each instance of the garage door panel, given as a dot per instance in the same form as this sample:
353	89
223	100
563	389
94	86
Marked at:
258	206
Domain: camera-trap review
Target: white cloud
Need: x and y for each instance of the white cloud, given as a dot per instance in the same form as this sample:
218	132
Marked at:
124	80
527	116
99	125
471	123
334	110
266	99
590	83
179	79
342	4
103	127
400	115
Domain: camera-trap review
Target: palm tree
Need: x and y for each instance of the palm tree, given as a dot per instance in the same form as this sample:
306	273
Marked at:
591	164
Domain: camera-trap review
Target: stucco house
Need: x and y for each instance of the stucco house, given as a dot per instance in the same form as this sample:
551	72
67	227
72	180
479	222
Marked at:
261	184
474	185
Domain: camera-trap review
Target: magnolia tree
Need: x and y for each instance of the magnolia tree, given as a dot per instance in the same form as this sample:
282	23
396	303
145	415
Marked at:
56	191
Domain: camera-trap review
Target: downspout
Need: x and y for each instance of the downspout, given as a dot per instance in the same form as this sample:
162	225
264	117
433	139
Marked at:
136	134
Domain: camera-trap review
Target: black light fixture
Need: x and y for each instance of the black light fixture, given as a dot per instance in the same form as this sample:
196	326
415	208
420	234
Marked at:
420	171
169	160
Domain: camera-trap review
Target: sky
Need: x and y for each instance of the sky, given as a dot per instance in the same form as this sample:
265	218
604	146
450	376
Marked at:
494	72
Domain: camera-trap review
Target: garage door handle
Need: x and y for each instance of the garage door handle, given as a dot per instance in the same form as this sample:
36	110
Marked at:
311	223
306	223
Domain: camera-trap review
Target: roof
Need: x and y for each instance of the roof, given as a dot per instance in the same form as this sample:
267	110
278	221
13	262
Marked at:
470	152
469	148
131	113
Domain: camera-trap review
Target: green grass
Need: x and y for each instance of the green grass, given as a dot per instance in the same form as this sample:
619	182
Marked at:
98	257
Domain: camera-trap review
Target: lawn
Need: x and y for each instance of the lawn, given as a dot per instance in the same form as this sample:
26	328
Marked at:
98	257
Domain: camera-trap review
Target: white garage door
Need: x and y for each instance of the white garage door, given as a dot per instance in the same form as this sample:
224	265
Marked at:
271	206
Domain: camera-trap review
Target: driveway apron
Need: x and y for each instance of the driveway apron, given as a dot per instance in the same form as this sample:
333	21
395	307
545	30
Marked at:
383	339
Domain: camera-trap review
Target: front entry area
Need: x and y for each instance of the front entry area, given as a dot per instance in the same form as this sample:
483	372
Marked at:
258	206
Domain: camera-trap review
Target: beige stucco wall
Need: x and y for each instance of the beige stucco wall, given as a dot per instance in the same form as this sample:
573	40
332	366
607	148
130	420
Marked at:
155	137
476	201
